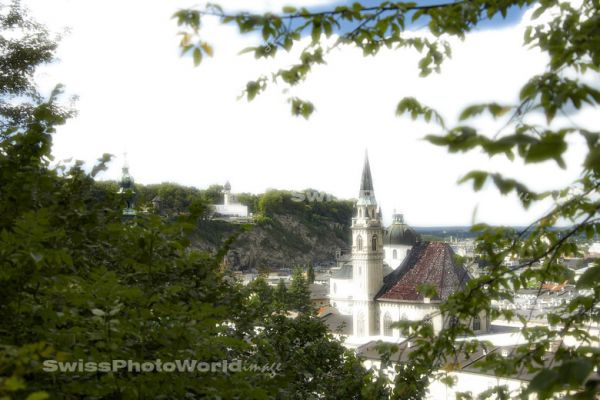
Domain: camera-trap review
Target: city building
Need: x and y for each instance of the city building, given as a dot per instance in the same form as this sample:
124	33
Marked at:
376	293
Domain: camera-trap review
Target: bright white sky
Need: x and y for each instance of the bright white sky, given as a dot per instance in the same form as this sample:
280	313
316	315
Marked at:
184	124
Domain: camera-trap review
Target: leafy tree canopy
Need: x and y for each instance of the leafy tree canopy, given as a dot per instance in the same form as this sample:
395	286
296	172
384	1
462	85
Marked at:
79	282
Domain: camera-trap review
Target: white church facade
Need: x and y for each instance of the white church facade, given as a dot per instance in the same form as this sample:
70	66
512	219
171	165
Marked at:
379	285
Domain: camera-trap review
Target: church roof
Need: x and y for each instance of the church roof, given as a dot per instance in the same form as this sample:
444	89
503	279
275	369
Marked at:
338	323
428	262
400	234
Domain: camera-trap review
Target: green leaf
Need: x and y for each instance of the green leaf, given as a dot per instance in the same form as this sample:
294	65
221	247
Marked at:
197	55
316	32
538	12
252	89
302	108
38	396
551	146
207	49
412	106
543	381
574	373
495	109
590	278
478	177
13	384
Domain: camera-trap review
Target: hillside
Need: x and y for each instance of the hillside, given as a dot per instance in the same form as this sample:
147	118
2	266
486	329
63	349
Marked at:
287	232
286	240
289	229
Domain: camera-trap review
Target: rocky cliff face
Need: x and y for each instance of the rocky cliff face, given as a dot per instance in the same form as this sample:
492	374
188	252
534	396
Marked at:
281	241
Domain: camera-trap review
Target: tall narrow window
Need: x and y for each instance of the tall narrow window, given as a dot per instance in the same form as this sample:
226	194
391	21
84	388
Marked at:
387	325
395	254
476	323
359	242
360	322
374	243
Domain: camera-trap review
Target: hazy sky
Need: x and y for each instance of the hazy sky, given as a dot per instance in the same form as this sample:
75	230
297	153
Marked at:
184	124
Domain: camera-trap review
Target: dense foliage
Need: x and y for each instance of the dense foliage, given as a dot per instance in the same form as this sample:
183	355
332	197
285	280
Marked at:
81	283
310	204
569	34
24	45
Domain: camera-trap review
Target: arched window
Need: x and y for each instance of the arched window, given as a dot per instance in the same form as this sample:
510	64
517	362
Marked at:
395	254
359	242
387	325
427	321
360	324
374	243
476	323
360	213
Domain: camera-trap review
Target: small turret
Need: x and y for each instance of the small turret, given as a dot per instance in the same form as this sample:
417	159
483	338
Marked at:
397	218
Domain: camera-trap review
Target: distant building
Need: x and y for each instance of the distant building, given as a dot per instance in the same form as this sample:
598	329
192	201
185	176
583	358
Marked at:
230	209
319	295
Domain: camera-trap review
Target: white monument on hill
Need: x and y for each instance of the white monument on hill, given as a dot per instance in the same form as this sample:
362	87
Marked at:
230	207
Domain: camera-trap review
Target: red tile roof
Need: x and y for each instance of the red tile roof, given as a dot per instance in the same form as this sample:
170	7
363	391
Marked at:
428	262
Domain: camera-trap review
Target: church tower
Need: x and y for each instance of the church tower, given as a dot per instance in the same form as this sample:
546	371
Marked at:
367	255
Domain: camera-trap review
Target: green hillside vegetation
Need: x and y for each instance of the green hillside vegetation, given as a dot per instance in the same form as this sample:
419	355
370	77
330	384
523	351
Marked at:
289	229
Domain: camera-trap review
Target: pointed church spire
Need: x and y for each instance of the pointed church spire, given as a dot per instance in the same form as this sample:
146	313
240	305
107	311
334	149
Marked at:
366	182
366	193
